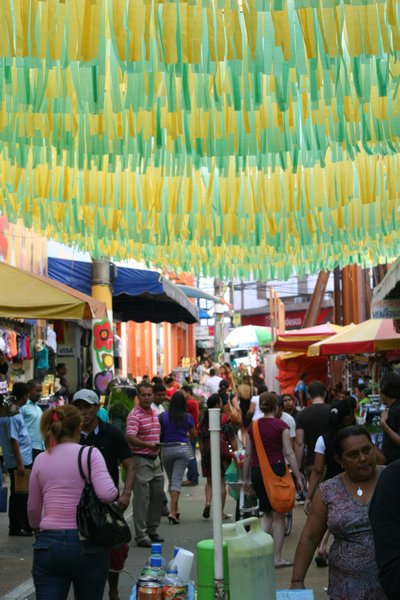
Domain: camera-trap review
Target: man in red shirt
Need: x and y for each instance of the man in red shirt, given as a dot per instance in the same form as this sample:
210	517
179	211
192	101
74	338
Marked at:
143	434
194	410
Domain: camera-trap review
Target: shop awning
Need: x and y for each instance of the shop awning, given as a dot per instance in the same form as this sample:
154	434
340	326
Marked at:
138	294
28	296
389	287
299	340
374	335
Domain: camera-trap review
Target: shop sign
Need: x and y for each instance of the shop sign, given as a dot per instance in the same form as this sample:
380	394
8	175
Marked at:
386	309
202	332
293	319
65	351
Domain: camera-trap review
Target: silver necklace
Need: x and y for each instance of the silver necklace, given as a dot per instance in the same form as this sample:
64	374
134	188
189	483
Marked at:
359	490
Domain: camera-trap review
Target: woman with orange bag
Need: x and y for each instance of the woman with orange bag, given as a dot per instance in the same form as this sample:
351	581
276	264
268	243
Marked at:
275	438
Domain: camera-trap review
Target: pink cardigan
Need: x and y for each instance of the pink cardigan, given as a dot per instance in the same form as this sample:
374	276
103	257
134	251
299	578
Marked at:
55	486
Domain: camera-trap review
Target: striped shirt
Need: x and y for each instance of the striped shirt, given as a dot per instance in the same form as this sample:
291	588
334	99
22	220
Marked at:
145	425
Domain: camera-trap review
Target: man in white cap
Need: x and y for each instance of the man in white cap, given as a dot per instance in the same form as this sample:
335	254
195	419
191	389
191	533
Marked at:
112	444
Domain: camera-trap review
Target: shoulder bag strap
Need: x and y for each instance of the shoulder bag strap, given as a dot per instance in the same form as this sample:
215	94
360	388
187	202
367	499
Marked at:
89	467
89	454
266	470
82	474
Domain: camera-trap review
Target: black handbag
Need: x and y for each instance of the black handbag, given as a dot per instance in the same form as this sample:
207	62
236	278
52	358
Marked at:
102	524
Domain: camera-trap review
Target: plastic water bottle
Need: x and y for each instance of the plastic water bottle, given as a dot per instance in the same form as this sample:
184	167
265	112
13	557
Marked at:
156	550
155	569
173	586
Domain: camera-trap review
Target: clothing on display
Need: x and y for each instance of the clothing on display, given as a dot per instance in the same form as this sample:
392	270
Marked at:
15	343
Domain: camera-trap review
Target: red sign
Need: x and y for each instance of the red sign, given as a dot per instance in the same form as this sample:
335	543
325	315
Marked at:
293	319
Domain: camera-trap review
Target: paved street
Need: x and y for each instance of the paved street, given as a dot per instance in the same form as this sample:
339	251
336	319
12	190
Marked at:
16	553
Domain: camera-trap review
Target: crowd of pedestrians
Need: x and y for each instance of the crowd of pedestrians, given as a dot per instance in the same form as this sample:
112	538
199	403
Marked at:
339	474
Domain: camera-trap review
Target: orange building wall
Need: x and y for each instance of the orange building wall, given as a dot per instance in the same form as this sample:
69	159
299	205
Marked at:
179	340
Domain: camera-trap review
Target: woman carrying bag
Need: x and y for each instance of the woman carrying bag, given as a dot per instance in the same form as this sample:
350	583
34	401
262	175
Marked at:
267	448
60	557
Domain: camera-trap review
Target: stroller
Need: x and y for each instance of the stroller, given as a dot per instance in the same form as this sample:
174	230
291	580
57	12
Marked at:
246	505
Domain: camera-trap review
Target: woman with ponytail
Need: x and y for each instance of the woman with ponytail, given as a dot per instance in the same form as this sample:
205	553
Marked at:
60	558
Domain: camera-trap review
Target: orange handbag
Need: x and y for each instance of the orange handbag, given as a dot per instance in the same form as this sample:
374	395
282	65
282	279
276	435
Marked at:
280	490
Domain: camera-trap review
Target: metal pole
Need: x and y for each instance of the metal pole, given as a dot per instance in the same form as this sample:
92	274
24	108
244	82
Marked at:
219	323
214	424
102	338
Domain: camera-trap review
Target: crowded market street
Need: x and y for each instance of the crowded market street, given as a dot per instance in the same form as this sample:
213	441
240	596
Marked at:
16	553
199	299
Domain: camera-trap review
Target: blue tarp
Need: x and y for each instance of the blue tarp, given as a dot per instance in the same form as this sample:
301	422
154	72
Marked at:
138	295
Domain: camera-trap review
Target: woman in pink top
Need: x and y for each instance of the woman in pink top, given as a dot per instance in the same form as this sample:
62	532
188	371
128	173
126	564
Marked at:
275	437
60	557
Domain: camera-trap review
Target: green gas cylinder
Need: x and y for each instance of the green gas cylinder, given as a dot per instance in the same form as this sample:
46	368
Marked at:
205	569
251	561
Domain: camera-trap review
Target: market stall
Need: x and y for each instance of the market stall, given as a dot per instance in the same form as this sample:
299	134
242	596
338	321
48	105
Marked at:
294	360
36	297
374	335
31	296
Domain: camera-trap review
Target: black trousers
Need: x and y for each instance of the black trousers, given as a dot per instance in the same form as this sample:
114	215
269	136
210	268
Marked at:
17	506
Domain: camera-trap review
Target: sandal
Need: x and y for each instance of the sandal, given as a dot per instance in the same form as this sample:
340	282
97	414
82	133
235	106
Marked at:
283	564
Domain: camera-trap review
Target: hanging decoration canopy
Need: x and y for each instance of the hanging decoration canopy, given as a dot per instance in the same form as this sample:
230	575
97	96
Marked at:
212	136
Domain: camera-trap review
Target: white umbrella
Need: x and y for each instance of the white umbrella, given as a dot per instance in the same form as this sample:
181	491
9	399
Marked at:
249	335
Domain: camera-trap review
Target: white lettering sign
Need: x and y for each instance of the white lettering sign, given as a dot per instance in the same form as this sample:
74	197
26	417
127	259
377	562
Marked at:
65	351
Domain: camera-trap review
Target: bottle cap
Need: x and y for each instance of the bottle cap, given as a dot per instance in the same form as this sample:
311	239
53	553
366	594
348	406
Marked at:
156	548
176	550
156	561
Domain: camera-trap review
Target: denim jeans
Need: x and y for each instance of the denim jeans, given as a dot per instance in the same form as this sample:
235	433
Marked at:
192	471
61	558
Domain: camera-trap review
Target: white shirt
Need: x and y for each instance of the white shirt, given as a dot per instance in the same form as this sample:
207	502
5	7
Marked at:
320	445
290	422
257	412
212	384
158	408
